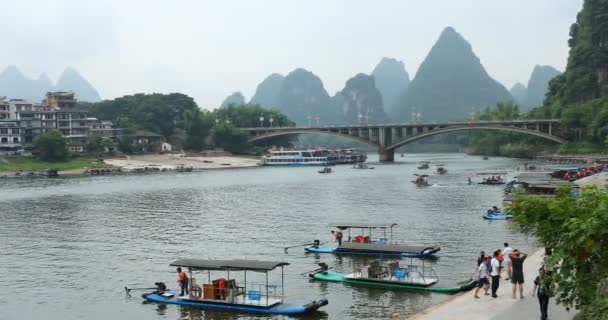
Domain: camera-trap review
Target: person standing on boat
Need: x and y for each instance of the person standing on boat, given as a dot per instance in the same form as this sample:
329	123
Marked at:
495	273
483	281
507	259
338	236
182	280
517	259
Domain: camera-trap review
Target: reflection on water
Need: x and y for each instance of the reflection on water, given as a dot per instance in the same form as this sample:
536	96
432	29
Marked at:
70	245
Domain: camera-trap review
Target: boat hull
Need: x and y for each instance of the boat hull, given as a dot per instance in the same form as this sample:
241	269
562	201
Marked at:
331	276
335	250
281	308
497	217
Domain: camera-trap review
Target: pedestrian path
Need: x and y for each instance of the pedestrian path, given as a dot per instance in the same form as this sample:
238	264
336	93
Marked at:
466	306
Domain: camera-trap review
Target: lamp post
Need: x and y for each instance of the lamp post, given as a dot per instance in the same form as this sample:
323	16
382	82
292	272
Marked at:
309	117
271	120
317	118
360	116
367	117
261	120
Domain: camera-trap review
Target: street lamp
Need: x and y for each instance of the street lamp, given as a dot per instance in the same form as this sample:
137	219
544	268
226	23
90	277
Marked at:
360	116
271	121
317	118
367	117
261	120
309	117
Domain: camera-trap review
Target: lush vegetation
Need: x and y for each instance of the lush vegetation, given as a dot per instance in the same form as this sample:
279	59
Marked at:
180	121
52	146
34	164
576	228
579	96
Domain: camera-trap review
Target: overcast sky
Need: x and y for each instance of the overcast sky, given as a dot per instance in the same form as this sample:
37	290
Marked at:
208	49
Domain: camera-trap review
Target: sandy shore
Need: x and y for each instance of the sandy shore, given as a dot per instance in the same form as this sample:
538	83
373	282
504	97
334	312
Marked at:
172	161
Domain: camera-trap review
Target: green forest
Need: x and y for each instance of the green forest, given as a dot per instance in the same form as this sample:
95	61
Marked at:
182	123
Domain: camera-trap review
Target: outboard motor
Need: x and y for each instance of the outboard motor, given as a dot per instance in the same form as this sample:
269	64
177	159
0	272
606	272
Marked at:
316	243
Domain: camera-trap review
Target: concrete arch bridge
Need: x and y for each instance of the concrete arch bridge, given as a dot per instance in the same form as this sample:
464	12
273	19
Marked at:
388	137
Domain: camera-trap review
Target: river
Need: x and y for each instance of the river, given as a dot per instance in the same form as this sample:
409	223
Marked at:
68	246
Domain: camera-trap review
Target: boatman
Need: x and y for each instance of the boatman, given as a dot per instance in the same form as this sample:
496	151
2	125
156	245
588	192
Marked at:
182	280
338	235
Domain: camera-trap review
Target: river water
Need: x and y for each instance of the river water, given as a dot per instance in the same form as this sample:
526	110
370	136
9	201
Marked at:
68	246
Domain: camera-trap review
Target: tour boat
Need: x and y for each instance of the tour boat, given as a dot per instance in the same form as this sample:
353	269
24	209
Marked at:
226	295
392	275
279	157
362	166
365	244
493	182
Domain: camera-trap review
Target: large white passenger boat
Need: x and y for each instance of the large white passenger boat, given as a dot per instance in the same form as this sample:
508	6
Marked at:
315	157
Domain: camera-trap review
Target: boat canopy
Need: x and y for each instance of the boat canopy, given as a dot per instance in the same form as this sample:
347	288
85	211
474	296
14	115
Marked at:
237	264
362	225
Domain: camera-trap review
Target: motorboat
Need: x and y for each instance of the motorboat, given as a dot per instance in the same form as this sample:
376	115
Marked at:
227	294
423	165
441	169
362	166
325	170
422	180
498	215
365	243
392	275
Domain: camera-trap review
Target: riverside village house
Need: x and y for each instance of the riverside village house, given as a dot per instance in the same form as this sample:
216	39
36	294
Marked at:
22	121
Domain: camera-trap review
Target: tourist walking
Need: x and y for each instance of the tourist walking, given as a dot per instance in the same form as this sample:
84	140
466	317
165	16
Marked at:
495	273
481	258
482	275
506	252
517	260
182	280
543	293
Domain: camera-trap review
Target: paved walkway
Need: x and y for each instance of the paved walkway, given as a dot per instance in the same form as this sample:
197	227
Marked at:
465	306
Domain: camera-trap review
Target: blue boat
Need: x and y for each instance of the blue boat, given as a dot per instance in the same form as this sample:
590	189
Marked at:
497	216
365	244
224	293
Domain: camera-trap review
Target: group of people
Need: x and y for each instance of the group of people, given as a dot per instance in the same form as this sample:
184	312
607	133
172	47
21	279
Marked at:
584	172
494	211
422	180
493	180
489	270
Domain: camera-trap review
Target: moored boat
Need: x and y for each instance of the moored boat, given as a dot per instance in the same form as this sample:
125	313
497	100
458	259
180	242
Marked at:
326	170
225	294
392	275
362	166
366	244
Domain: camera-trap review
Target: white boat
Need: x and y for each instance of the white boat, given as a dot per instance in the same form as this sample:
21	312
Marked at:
298	158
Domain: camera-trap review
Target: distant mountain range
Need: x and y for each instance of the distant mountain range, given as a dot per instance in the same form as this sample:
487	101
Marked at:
14	85
449	85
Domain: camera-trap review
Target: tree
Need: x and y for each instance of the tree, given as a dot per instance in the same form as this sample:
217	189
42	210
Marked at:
52	146
197	129
230	138
575	226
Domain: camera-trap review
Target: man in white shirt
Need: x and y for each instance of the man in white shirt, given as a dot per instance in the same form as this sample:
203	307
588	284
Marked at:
495	273
506	256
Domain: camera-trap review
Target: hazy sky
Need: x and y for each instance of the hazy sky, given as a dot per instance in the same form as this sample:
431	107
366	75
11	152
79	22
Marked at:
208	49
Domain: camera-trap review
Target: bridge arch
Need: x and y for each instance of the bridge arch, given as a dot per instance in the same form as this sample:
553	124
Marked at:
284	133
476	127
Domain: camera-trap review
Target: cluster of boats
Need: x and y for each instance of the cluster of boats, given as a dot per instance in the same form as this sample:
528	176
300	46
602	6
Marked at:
229	295
422	180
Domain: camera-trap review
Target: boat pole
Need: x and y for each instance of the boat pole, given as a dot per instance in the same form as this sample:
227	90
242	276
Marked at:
266	288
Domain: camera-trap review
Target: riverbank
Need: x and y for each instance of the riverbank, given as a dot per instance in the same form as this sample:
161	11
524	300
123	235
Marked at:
25	164
174	161
466	306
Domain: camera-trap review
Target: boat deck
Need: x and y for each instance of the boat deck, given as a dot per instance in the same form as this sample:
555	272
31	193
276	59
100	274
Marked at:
239	300
415	281
393	248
